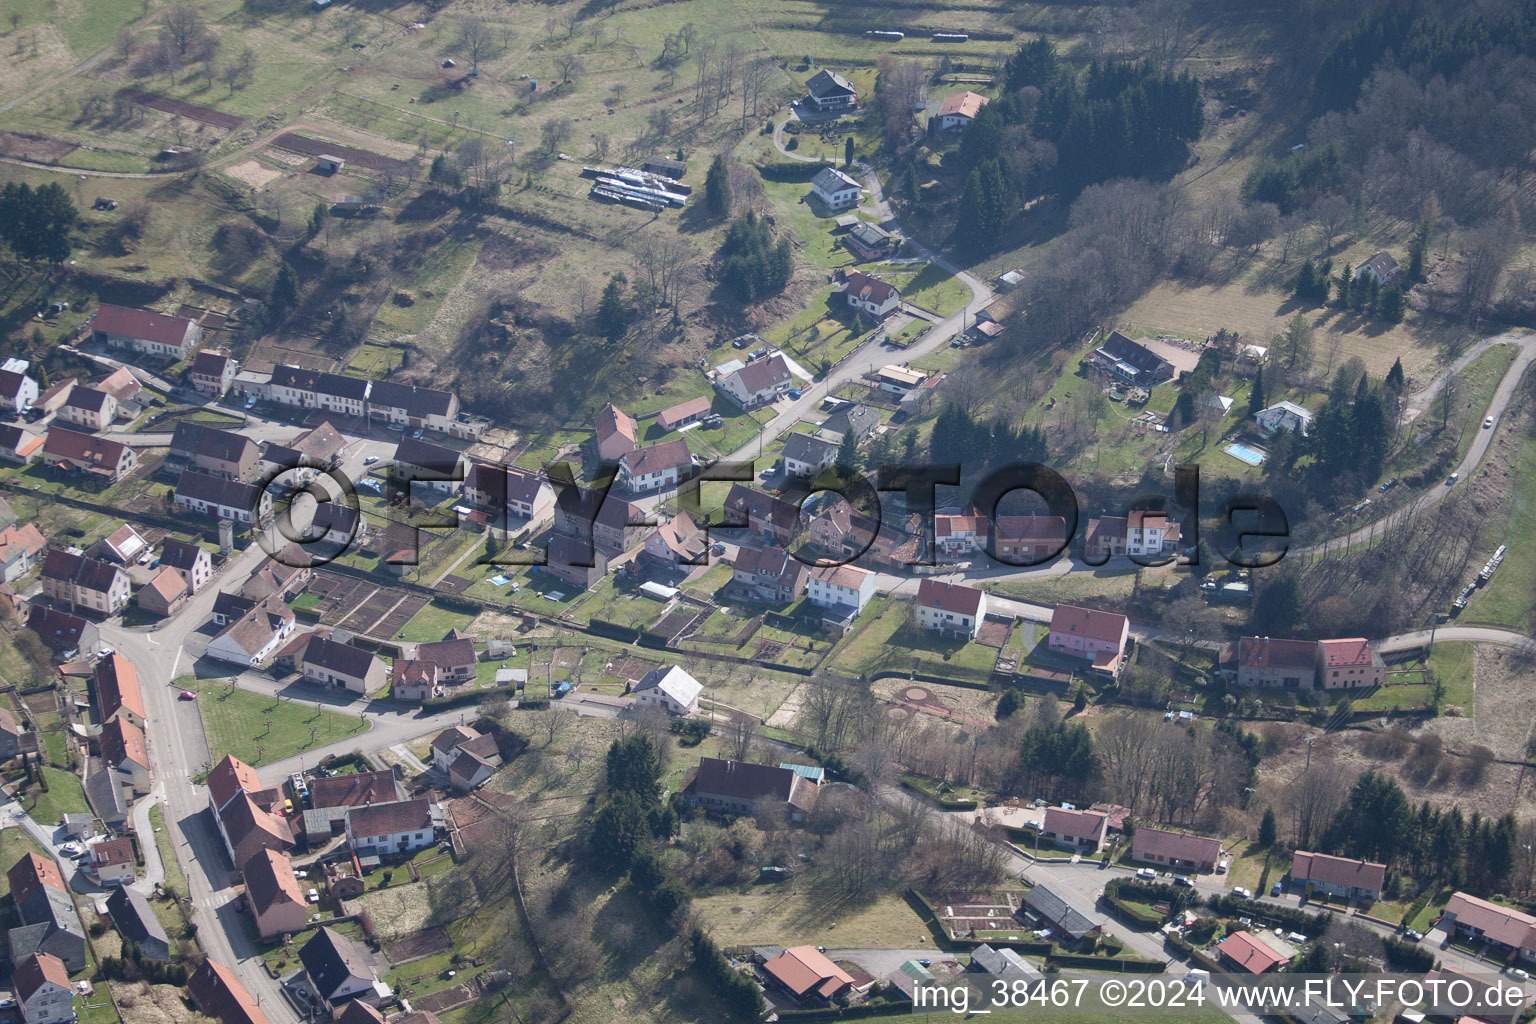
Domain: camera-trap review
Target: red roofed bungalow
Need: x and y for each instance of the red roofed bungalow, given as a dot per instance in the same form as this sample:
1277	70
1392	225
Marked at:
808	975
1249	954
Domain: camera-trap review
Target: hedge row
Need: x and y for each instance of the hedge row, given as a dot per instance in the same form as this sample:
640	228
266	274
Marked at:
1129	965
1291	919
787	171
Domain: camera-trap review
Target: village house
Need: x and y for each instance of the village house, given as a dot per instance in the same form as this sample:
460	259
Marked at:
414	680
1050	907
49	922
898	380
313	389
72	452
1346	663
20	548
337	525
861	419
330	797
243	811
104	793
124	749
1140	533
678	541
53	397
615	433
1028	540
1342	877
835	189
870	295
467	756
805	455
66	635
123	546
959	536
412	406
1251	954
329	663
454	655
136	922
428	465
757	383
1176	850
829	91
516	493
1096	636
736	787
251	638
84	582
338	968
1502	927
1004	963
870	241
88	408
951	609
959	109
807	976
43	993
768	575
305	457
11	734
117	690
191	562
399	827
222	499
1284	416
770	518
146	332
209	450
110	861
164	595
609	523
272	890
684	413
123	386
660	467
1132	362
1382	267
1083	831
17	391
575	563
217	992
843	590
1288	664
213	371
672	689
18	444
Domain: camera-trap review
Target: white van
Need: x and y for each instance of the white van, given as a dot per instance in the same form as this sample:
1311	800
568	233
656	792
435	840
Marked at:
1221	868
1196	978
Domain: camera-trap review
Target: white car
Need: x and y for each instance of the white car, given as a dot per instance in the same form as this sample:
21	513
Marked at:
370	460
71	849
1242	893
1518	972
1146	874
1487	423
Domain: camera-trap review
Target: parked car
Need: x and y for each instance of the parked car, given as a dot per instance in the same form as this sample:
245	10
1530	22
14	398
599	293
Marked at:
370	460
1488	422
1452	479
1384	488
71	849
1413	935
794	394
1146	874
1184	880
1518	972
1277	889
1242	893
188	695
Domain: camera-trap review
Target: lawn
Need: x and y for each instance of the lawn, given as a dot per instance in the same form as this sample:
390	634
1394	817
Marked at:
932	288
1453	665
433	622
259	729
63	796
1506	599
791	913
887	641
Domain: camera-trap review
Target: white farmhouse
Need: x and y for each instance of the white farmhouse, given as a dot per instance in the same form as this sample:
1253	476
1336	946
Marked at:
672	689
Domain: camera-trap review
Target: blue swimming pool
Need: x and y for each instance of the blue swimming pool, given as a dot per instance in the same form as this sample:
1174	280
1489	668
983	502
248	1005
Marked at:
1242	452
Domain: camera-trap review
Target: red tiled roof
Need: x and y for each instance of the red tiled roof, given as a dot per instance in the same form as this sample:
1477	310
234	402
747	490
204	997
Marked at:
121	741
36	970
1090	622
1354	651
849	577
869	288
31	871
682	411
1084	824
1268	652
658	458
64	443
219	992
611	420
229	777
1151	843
117	685
803	970
1249	953
1045	529
948	597
952	526
387	819
1496	921
141	323
763	374
269	880
1321	867
110	852
962	104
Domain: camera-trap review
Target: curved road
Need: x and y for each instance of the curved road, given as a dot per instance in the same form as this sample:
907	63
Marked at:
1437	492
